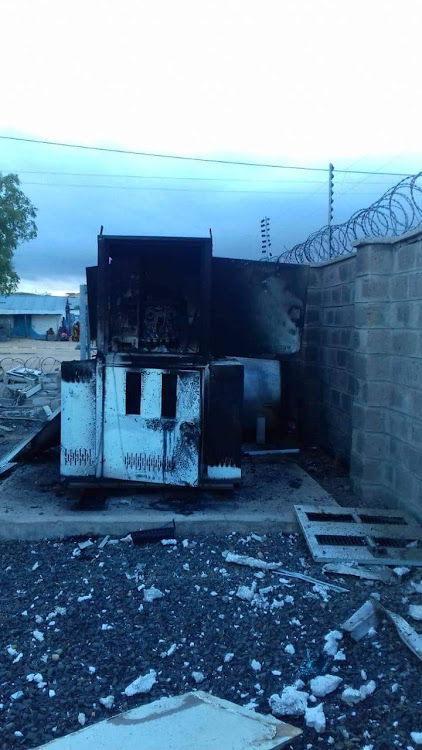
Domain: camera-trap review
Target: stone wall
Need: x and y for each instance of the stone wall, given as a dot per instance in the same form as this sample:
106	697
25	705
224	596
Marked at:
362	367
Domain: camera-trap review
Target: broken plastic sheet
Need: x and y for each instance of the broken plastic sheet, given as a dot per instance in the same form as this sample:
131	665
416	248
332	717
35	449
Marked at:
376	573
365	618
253	562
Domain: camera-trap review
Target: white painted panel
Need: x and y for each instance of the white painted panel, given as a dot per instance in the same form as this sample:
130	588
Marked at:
151	393
224	472
41	323
147	447
195	721
77	453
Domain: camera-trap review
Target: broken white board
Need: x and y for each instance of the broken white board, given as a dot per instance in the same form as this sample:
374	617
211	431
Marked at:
365	618
186	722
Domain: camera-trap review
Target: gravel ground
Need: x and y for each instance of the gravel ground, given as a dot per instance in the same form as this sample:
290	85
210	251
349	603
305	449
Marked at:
76	620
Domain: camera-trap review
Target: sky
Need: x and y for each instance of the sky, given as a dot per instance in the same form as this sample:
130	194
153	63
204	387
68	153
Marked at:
291	82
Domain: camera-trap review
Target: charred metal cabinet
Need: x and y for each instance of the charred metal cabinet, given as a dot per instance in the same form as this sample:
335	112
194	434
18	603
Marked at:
174	426
162	401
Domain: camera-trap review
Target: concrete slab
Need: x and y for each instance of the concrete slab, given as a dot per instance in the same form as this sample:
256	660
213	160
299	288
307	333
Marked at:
34	506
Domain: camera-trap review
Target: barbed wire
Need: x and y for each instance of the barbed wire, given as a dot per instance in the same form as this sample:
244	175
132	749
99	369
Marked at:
397	211
47	365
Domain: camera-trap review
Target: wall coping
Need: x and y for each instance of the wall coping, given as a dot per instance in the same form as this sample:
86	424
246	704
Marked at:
330	262
388	240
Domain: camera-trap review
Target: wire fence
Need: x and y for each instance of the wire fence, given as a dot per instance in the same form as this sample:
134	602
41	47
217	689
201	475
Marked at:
46	365
397	211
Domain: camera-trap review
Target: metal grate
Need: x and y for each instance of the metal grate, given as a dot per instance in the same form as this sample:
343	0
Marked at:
396	520
147	462
336	534
341	541
381	541
330	517
78	456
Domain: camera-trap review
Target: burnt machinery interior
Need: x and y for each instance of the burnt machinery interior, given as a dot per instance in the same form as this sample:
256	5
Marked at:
157	295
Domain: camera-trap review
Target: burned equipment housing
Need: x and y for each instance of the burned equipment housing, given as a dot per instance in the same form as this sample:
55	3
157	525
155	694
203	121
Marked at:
161	402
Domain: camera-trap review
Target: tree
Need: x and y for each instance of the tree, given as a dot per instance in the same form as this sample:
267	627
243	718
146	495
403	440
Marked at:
17	224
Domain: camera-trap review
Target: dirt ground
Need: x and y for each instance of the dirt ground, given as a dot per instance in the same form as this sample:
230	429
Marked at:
24	350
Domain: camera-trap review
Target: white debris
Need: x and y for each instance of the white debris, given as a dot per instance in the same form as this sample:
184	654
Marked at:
400	572
17	658
367	689
363	674
82	719
152	593
324	684
105	626
185	543
228	657
51	693
340	655
92	670
17	695
84	545
315	718
104	542
168	541
276	672
291	702
107	702
416	737
352	696
256	665
38	635
246	593
290	649
55	612
18	733
84	598
127	538
11	651
198	677
34	677
142	684
38	619
415	611
322	591
331	645
186	566
35	566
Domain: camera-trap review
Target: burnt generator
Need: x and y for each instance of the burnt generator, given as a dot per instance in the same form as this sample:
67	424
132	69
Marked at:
161	402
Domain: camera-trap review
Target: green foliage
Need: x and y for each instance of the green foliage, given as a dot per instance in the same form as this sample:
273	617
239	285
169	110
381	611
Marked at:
17	224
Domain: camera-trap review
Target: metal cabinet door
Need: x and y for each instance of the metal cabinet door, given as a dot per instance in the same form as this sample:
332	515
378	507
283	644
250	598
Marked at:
147	446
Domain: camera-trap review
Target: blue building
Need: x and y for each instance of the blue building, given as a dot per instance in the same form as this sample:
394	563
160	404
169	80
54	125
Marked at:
32	315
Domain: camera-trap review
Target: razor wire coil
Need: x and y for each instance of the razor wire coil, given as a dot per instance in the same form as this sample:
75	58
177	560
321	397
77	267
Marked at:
398	211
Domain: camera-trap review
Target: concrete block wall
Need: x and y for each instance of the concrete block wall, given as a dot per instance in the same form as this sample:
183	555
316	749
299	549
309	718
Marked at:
328	354
386	456
362	368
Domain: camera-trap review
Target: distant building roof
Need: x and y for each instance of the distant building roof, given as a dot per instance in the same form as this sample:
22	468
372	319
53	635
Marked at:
32	304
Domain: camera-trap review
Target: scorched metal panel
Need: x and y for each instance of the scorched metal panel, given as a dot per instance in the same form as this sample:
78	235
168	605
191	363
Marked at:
257	308
146	446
